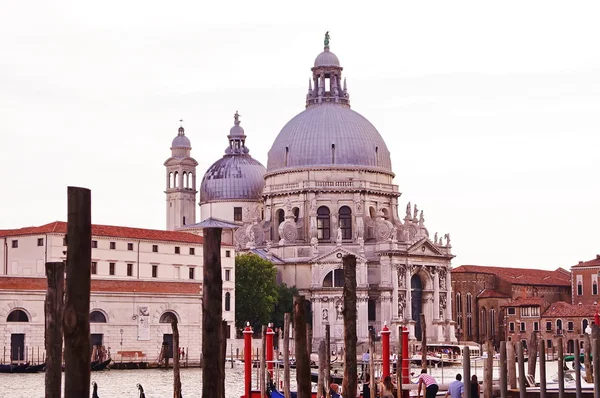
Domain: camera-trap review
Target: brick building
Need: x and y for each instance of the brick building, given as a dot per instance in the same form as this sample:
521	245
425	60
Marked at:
484	296
568	321
585	281
140	279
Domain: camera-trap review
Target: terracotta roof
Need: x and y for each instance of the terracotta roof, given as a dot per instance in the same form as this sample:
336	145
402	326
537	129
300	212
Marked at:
109	231
106	285
526	301
591	263
563	309
521	276
491	293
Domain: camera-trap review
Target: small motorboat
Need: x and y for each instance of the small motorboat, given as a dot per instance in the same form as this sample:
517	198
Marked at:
96	366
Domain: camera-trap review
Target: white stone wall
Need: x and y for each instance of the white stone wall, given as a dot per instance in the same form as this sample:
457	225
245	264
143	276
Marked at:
223	210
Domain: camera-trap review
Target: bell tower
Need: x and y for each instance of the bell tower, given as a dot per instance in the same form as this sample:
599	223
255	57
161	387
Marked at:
181	183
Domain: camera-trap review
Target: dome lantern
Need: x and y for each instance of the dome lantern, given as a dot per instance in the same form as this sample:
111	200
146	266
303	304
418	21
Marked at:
327	79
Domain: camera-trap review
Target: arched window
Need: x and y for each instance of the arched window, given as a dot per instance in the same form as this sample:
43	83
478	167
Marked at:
185	180
458	303
372	212
493	322
323	227
227	301
280	216
483	322
584	325
334	278
296	212
559	324
345	219
97	317
17	316
469	302
190	180
385	213
167	317
175	178
170	180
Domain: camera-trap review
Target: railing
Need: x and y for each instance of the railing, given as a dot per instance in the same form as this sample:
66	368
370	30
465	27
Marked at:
332	184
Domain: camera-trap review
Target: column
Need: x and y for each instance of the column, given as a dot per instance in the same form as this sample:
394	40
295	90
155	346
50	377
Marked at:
407	312
436	294
395	291
448	295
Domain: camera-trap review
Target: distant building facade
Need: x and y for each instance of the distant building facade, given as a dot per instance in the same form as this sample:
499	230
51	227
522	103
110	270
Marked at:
488	300
140	279
569	321
585	282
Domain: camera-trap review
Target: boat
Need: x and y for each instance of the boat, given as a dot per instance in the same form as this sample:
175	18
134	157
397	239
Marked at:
446	354
97	366
335	378
22	368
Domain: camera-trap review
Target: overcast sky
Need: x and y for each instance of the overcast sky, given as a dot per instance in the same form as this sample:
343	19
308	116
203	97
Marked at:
491	111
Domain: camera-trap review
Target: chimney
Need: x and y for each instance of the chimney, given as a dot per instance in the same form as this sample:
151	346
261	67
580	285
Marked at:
597	256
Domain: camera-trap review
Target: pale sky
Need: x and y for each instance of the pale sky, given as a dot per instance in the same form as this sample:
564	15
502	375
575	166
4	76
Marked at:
490	110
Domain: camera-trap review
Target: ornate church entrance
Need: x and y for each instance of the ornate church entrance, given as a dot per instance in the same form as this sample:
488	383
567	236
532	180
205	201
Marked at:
416	294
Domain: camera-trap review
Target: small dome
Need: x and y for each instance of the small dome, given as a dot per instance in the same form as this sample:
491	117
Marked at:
327	58
181	141
233	177
236	130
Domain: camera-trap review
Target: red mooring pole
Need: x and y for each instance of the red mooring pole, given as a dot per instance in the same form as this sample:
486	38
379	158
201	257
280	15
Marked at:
269	348
385	349
247	359
405	356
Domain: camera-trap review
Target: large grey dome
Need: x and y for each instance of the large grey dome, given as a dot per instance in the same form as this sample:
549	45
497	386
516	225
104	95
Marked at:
329	135
233	177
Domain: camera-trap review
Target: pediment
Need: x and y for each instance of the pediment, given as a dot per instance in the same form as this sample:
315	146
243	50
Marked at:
335	256
424	247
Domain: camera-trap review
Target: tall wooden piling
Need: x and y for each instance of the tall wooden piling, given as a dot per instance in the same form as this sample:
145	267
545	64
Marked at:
577	362
423	342
328	364
53	309
302	360
533	350
522	379
321	383
596	356
561	369
466	371
488	370
349	385
542	369
372	365
176	374
224	352
503	371
262	363
587	354
286	355
213	378
76	321
511	364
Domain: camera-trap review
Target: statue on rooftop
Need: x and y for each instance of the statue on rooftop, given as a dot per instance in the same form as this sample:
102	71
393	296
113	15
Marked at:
236	118
327	39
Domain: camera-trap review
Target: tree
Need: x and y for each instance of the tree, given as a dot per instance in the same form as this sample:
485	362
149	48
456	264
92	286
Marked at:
256	292
284	304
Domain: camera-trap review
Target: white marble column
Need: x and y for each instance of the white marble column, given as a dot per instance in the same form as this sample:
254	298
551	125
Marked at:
363	323
436	295
408	309
395	292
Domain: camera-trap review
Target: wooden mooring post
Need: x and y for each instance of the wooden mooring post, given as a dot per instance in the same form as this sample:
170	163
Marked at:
176	375
423	342
522	377
467	371
371	369
596	356
503	371
76	316
286	355
302	358
53	308
349	384
328	364
488	370
542	369
587	353
213	378
577	362
321	382
511	361
561	370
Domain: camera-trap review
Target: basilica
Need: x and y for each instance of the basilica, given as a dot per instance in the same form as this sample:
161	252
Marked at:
327	192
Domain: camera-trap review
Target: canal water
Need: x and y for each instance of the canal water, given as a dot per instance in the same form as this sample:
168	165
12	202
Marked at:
159	382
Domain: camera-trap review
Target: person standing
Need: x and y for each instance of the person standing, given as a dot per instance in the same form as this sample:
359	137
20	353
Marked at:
431	386
475	387
456	389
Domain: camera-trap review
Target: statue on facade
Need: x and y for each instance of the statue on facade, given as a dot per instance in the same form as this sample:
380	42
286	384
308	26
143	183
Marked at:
326	39
442	305
314	242
288	207
408	210
421	219
442	273
401	305
394	234
339	236
401	277
246	213
358	204
447	236
416	213
339	309
325	315
361	243
236	118
435	238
